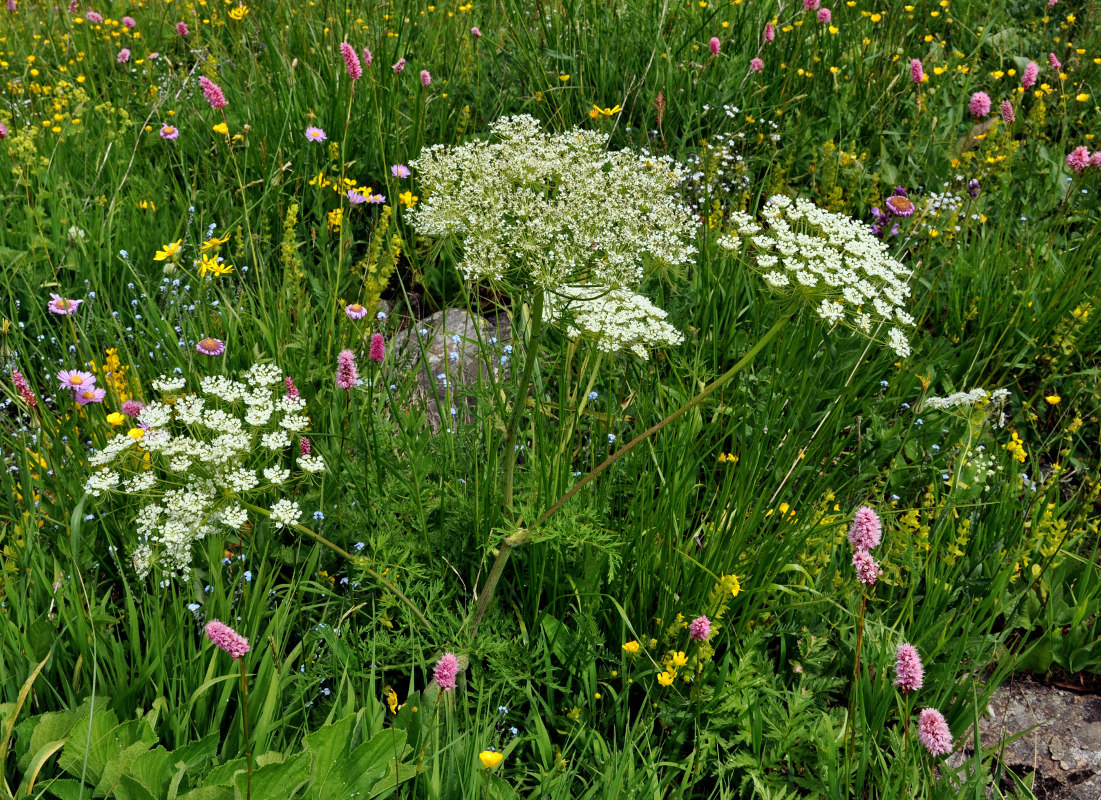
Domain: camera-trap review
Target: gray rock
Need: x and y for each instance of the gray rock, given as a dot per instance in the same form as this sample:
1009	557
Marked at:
457	355
1061	745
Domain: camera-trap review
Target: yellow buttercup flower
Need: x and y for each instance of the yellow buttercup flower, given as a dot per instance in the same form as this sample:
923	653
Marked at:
631	647
679	659
1054	399
490	758
136	433
408	199
169	251
116	418
666	678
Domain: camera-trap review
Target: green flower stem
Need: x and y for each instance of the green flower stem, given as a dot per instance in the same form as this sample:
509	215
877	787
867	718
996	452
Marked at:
359	561
520	403
248	745
486	595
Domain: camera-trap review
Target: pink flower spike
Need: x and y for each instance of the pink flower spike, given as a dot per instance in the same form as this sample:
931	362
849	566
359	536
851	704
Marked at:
346	375
1079	159
934	733
770	32
378	348
73	6
123	56
13	6
477	34
1028	77
866	531
824	15
181	29
426	78
129	23
979	105
210	346
226	639
90	395
1095	159
75	380
756	65
351	61
3	131
355	310
399	66
867	570
59	305
213	93
447	668
23	388
1054	61
1008	115
304	446
292	390
94	17
917	72
699	629
909	674
715	45
367	57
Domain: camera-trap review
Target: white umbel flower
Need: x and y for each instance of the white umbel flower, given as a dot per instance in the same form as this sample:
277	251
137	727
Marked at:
285	512
617	319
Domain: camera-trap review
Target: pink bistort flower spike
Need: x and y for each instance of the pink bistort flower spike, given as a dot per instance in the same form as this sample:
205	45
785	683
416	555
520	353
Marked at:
73	6
426	78
825	16
181	29
1008	115
24	388
304	446
213	93
909	674
378	348
715	45
94	17
1028	77
866	531
477	34
770	32
123	56
756	65
810	5
351	61
867	570
447	668
292	390
699	629
1079	158
399	66
979	105
917	72
13	6
934	733
132	408
346	375
226	639
367	57
1054	61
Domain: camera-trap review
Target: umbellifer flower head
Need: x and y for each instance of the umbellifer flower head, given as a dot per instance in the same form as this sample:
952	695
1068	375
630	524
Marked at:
226	639
833	262
447	668
934	733
909	674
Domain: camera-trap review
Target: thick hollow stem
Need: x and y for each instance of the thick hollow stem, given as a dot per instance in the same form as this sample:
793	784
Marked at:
520	403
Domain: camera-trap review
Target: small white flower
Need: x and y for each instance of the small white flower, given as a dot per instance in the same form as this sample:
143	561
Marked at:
276	474
285	512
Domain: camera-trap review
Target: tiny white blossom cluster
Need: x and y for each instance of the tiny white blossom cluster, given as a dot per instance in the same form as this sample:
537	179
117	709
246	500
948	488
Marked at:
618	319
194	454
832	260
994	401
553	210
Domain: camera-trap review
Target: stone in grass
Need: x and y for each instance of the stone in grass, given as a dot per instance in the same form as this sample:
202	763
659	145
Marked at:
455	355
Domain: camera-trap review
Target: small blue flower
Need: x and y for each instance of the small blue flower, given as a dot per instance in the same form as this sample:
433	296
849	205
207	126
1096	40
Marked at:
248	576
124	255
593	395
193	607
319	515
380	316
611	438
359	546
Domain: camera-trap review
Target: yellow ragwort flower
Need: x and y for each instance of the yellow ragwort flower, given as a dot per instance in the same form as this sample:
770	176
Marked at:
169	251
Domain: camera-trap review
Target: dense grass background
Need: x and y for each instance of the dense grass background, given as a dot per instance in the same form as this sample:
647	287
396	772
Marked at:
990	561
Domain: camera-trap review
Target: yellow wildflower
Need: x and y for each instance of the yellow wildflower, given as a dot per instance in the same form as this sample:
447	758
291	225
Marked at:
667	678
221	128
169	251
116	418
631	647
490	758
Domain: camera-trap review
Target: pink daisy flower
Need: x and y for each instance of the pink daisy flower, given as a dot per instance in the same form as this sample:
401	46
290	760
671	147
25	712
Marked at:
1079	159
90	395
756	65
210	346
181	29
866	531
346	375
699	629
75	379
61	306
213	93
979	105
226	639
909	674
351	61
934	733
315	134
378	348
867	570
447	668
426	78
399	66
169	132
400	171
355	198
355	311
715	45
376	198
123	56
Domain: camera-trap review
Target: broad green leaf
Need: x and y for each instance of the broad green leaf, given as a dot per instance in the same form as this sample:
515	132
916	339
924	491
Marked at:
276	780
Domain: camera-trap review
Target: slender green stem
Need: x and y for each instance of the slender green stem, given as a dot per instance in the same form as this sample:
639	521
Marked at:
520	402
486	595
357	560
248	745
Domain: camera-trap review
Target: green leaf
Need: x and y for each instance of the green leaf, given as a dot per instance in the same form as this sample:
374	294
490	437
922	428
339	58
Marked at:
340	773
31	735
30	773
91	741
277	779
208	793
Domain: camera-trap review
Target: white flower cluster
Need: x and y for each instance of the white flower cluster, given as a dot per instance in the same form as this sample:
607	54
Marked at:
191	459
552	210
973	397
618	319
832	260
